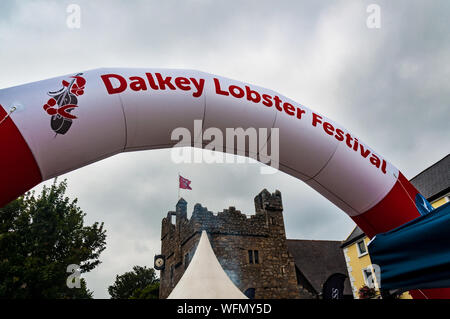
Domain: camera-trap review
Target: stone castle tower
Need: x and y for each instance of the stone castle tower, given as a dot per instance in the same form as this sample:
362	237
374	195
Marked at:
252	250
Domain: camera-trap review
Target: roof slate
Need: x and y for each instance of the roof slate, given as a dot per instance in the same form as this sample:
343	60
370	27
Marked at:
318	260
434	181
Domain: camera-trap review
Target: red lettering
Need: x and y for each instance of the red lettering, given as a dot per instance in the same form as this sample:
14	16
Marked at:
267	100
289	109
364	152
328	128
240	92
164	81
375	160
151	81
339	135
109	87
218	89
316	119
183	83
137	84
199	86
348	139
277	103
300	112
256	98
383	167
355	146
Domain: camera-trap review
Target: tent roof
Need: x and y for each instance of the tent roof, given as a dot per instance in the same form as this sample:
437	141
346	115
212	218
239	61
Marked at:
205	277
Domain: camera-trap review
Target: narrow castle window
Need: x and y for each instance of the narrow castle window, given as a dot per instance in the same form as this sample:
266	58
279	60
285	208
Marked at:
186	261
253	257
171	275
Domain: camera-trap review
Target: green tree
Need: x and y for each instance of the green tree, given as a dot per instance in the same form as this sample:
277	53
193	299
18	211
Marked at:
40	236
141	283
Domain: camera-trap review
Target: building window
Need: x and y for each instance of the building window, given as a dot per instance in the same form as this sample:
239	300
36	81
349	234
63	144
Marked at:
253	257
171	275
362	250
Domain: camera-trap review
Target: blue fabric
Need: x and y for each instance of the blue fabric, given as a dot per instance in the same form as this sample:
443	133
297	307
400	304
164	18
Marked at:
423	206
416	254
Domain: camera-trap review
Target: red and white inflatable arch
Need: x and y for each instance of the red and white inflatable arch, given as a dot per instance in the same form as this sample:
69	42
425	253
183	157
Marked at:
64	123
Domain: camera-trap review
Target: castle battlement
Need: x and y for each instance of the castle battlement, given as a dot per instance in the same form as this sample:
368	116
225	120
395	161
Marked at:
268	213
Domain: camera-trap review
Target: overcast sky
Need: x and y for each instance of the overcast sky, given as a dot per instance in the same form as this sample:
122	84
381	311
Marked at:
390	86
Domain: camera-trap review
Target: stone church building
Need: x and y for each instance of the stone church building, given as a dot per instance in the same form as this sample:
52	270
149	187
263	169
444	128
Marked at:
253	251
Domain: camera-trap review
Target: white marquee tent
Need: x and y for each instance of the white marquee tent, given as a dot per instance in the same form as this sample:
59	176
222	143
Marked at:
205	277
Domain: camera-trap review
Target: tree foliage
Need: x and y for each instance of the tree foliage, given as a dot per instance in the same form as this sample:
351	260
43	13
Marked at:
141	283
39	237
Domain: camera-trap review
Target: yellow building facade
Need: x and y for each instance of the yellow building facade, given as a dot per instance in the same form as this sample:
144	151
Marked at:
359	266
434	184
440	202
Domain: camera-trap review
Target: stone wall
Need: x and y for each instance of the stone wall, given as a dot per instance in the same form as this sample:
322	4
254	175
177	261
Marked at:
232	235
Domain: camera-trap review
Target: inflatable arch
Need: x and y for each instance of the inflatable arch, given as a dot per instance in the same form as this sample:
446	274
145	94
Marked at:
57	125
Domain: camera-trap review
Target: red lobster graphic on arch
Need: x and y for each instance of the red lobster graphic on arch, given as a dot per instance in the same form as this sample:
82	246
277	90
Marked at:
63	102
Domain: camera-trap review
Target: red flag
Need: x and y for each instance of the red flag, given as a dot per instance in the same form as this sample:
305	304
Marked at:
184	182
